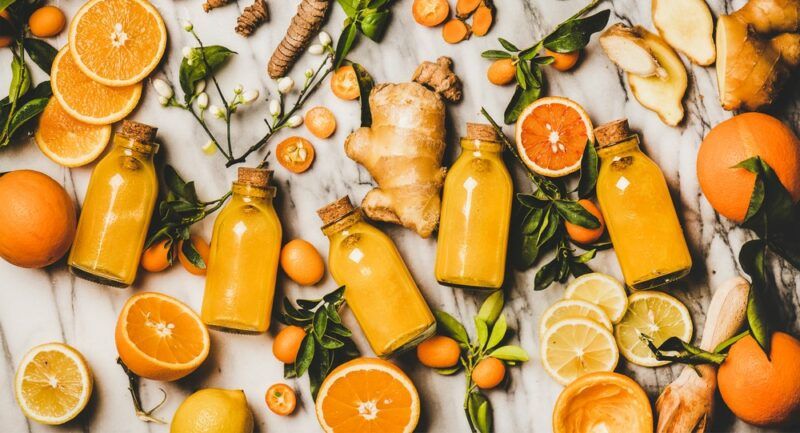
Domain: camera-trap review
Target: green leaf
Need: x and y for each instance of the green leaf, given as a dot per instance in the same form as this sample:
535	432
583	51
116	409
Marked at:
373	25
531	201
550	225
452	327
20	79
573	212
685	353
547	274
365	84
589	170
510	353
521	99
448	371
328	342
345	43
474	402
41	53
498	332
201	64
349	7
585	257
544	60
574	34
26	113
495	54
334	297
191	253
4	4
294	316
725	345
530	52
320	322
752	258
485	419
771	206
178	186
483	332
529	252
305	356
42	90
508	45
532	223
491	307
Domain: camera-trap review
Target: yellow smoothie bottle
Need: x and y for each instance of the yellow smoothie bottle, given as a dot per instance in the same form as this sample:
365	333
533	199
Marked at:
243	262
379	288
638	211
476	213
116	213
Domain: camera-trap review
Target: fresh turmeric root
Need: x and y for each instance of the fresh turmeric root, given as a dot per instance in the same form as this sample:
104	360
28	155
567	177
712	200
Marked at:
482	20
455	31
465	8
252	17
305	24
440	78
213	4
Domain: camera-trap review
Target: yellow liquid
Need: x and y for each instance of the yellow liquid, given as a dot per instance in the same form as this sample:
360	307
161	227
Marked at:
476	213
379	288
641	218
243	262
115	216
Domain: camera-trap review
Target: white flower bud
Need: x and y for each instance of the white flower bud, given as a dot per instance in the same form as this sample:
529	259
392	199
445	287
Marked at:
238	89
187	25
210	147
163	88
217	112
199	87
202	101
274	107
187	51
309	73
295	121
324	38
249	96
316	49
285	85
164	101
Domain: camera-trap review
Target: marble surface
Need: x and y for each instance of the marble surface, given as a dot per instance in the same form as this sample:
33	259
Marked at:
38	306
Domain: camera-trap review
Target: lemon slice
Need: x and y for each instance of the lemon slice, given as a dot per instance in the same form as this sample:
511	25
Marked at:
657	315
53	384
601	290
572	348
573	309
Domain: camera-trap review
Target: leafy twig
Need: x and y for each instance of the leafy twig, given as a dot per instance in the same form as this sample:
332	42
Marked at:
133	388
367	17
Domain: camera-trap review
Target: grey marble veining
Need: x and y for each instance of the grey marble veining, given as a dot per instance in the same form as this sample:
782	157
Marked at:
38	306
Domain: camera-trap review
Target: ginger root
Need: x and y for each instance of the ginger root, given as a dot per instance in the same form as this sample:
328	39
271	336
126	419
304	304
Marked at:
305	24
252	17
403	150
440	78
627	48
758	46
688	27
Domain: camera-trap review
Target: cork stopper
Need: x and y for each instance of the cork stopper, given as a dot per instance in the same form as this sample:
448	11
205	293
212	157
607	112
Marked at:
334	211
257	177
138	131
612	132
482	132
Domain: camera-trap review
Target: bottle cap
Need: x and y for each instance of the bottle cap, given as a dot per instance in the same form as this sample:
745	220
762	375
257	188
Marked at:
334	211
138	131
612	132
257	177
482	131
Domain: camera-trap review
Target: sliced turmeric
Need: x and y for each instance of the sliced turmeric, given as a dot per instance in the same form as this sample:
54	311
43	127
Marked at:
482	20
464	8
455	31
430	13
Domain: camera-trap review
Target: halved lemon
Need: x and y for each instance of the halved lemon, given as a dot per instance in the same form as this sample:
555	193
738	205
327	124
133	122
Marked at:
573	309
68	141
160	337
601	290
87	100
117	42
551	135
367	395
53	383
572	348
657	315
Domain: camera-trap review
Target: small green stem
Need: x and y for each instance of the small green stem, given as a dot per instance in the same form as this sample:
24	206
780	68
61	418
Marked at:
210	135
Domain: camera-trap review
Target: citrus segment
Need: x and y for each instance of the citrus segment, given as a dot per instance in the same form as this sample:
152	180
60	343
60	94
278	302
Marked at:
573	309
53	384
551	135
601	290
87	100
67	141
574	347
117	42
656	315
367	394
160	338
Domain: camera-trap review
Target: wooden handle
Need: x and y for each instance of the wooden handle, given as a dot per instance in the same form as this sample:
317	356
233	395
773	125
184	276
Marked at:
726	312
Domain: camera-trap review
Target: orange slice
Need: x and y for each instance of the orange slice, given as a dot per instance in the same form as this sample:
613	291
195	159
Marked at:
117	42
551	136
159	337
67	141
86	100
367	395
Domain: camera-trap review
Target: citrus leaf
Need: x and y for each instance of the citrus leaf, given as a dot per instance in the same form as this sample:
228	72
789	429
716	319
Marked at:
41	53
510	353
485	419
574	34
305	356
483	332
752	258
452	327
191	253
495	54
589	171
26	113
20	79
448	371
573	212
498	332
320	322
491	307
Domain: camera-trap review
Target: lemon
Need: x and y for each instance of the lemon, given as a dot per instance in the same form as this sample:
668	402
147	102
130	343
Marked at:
213	411
53	384
657	315
573	309
601	290
572	348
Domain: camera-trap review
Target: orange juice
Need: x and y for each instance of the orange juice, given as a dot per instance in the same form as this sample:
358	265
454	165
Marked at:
243	261
116	213
379	289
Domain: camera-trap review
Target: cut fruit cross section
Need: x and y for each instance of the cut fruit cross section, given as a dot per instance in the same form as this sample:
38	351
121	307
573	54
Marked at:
572	348
601	290
68	141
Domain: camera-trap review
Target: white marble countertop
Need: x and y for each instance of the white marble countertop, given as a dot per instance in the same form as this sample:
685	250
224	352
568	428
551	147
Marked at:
38	306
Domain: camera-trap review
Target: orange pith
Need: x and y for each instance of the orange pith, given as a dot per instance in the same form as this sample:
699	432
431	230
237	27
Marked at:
87	100
68	141
117	42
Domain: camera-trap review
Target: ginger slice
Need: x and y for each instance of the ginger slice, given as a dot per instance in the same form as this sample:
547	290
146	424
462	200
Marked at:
688	27
626	47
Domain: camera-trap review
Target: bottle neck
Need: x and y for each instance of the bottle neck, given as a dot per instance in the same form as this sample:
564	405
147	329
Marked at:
342	223
253	192
625	146
143	150
473	145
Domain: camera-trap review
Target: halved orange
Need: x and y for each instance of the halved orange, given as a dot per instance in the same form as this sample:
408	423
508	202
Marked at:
367	395
159	337
551	136
117	42
68	141
87	100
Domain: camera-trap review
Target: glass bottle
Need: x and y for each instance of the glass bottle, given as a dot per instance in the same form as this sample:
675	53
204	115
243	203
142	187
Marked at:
638	210
116	213
243	261
476	213
379	289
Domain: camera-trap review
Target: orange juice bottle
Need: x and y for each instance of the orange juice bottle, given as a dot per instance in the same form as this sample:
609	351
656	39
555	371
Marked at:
243	262
476	213
638	211
116	213
379	288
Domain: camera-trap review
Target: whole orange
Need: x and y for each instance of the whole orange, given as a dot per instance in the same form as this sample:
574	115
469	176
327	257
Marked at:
302	263
202	247
761	391
156	258
37	224
489	373
6	29
741	137
563	62
47	21
438	352
582	235
501	72
287	344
